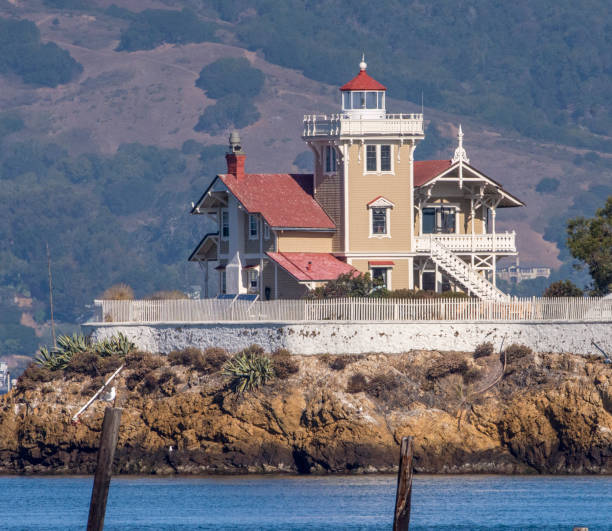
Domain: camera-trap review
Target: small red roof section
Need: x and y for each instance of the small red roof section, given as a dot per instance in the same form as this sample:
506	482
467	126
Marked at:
363	81
312	266
283	199
426	170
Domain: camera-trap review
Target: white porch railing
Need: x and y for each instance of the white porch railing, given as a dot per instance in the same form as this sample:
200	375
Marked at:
497	242
343	124
353	309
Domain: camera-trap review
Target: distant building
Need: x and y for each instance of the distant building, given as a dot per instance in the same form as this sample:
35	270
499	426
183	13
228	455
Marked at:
5	378
517	274
368	207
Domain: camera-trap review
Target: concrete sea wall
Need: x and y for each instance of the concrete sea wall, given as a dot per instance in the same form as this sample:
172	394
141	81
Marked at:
334	337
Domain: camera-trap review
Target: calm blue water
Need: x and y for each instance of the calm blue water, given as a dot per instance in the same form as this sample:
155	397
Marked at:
294	503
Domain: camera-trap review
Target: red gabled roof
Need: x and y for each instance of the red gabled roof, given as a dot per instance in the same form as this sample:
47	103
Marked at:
363	81
426	170
312	266
283	199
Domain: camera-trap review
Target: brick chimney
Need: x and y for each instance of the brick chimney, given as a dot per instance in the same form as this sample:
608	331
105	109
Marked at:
235	157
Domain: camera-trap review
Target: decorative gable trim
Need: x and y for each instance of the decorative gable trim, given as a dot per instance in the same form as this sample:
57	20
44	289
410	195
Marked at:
380	202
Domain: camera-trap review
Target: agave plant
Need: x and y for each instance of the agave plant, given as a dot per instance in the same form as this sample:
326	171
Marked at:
53	360
248	371
118	344
73	345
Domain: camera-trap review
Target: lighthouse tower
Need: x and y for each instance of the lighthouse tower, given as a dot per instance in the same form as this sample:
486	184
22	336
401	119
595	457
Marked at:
364	177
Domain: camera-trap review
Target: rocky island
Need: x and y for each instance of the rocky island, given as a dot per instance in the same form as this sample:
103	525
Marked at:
541	413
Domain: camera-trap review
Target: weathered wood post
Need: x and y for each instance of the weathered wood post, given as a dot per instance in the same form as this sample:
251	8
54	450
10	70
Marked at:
401	518
104	468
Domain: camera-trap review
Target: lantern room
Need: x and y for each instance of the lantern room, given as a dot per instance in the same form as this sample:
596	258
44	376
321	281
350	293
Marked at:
363	96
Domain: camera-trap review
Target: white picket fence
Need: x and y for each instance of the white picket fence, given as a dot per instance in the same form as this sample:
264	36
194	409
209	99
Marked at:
589	309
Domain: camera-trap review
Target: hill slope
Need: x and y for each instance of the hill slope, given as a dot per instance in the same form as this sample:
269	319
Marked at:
75	170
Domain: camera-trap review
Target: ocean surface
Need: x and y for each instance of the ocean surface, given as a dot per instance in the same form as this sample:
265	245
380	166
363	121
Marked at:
294	503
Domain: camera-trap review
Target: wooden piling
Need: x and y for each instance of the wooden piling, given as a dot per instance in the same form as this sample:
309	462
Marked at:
104	468
401	519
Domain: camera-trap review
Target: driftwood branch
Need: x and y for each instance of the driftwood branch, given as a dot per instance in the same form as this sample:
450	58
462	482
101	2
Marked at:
466	403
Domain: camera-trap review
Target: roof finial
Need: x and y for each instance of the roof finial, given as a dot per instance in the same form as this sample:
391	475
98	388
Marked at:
363	65
460	154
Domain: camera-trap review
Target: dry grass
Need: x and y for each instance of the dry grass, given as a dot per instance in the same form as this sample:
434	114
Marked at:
118	292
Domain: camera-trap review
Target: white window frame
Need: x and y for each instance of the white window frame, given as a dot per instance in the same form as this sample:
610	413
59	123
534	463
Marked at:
380	203
378	171
266	230
389	270
224	217
252	278
330	152
223	282
456	206
253	218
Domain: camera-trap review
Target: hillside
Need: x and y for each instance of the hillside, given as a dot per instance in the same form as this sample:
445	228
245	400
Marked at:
321	414
103	161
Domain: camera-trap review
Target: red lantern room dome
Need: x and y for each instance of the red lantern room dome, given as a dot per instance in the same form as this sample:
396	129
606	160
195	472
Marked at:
363	81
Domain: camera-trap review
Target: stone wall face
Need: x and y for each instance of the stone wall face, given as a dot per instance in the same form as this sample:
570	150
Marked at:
356	338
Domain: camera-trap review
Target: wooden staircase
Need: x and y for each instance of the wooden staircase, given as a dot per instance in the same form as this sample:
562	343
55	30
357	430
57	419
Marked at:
464	273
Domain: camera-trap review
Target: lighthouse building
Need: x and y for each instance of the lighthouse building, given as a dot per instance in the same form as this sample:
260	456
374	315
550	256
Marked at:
368	206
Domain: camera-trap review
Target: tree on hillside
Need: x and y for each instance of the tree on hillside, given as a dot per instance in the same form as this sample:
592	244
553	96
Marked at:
590	241
563	288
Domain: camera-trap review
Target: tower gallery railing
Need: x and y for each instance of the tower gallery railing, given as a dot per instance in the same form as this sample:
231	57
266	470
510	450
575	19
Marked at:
343	124
587	309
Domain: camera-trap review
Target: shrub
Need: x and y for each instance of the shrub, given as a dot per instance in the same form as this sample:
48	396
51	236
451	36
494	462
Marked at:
472	374
230	75
190	357
284	364
151	27
32	377
516	352
167	295
357	383
248	371
143	360
84	363
450	363
232	110
563	288
213	359
339	363
118	292
382	385
547	185
483	350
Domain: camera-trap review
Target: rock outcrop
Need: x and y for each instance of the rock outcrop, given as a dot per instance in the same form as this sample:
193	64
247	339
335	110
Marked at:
550	413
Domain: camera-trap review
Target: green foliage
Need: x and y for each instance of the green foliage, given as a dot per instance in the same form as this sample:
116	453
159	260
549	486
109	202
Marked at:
346	285
536	78
590	241
69	346
563	288
304	161
248	370
96	230
231	75
153	27
232	110
10	122
548	185
22	53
